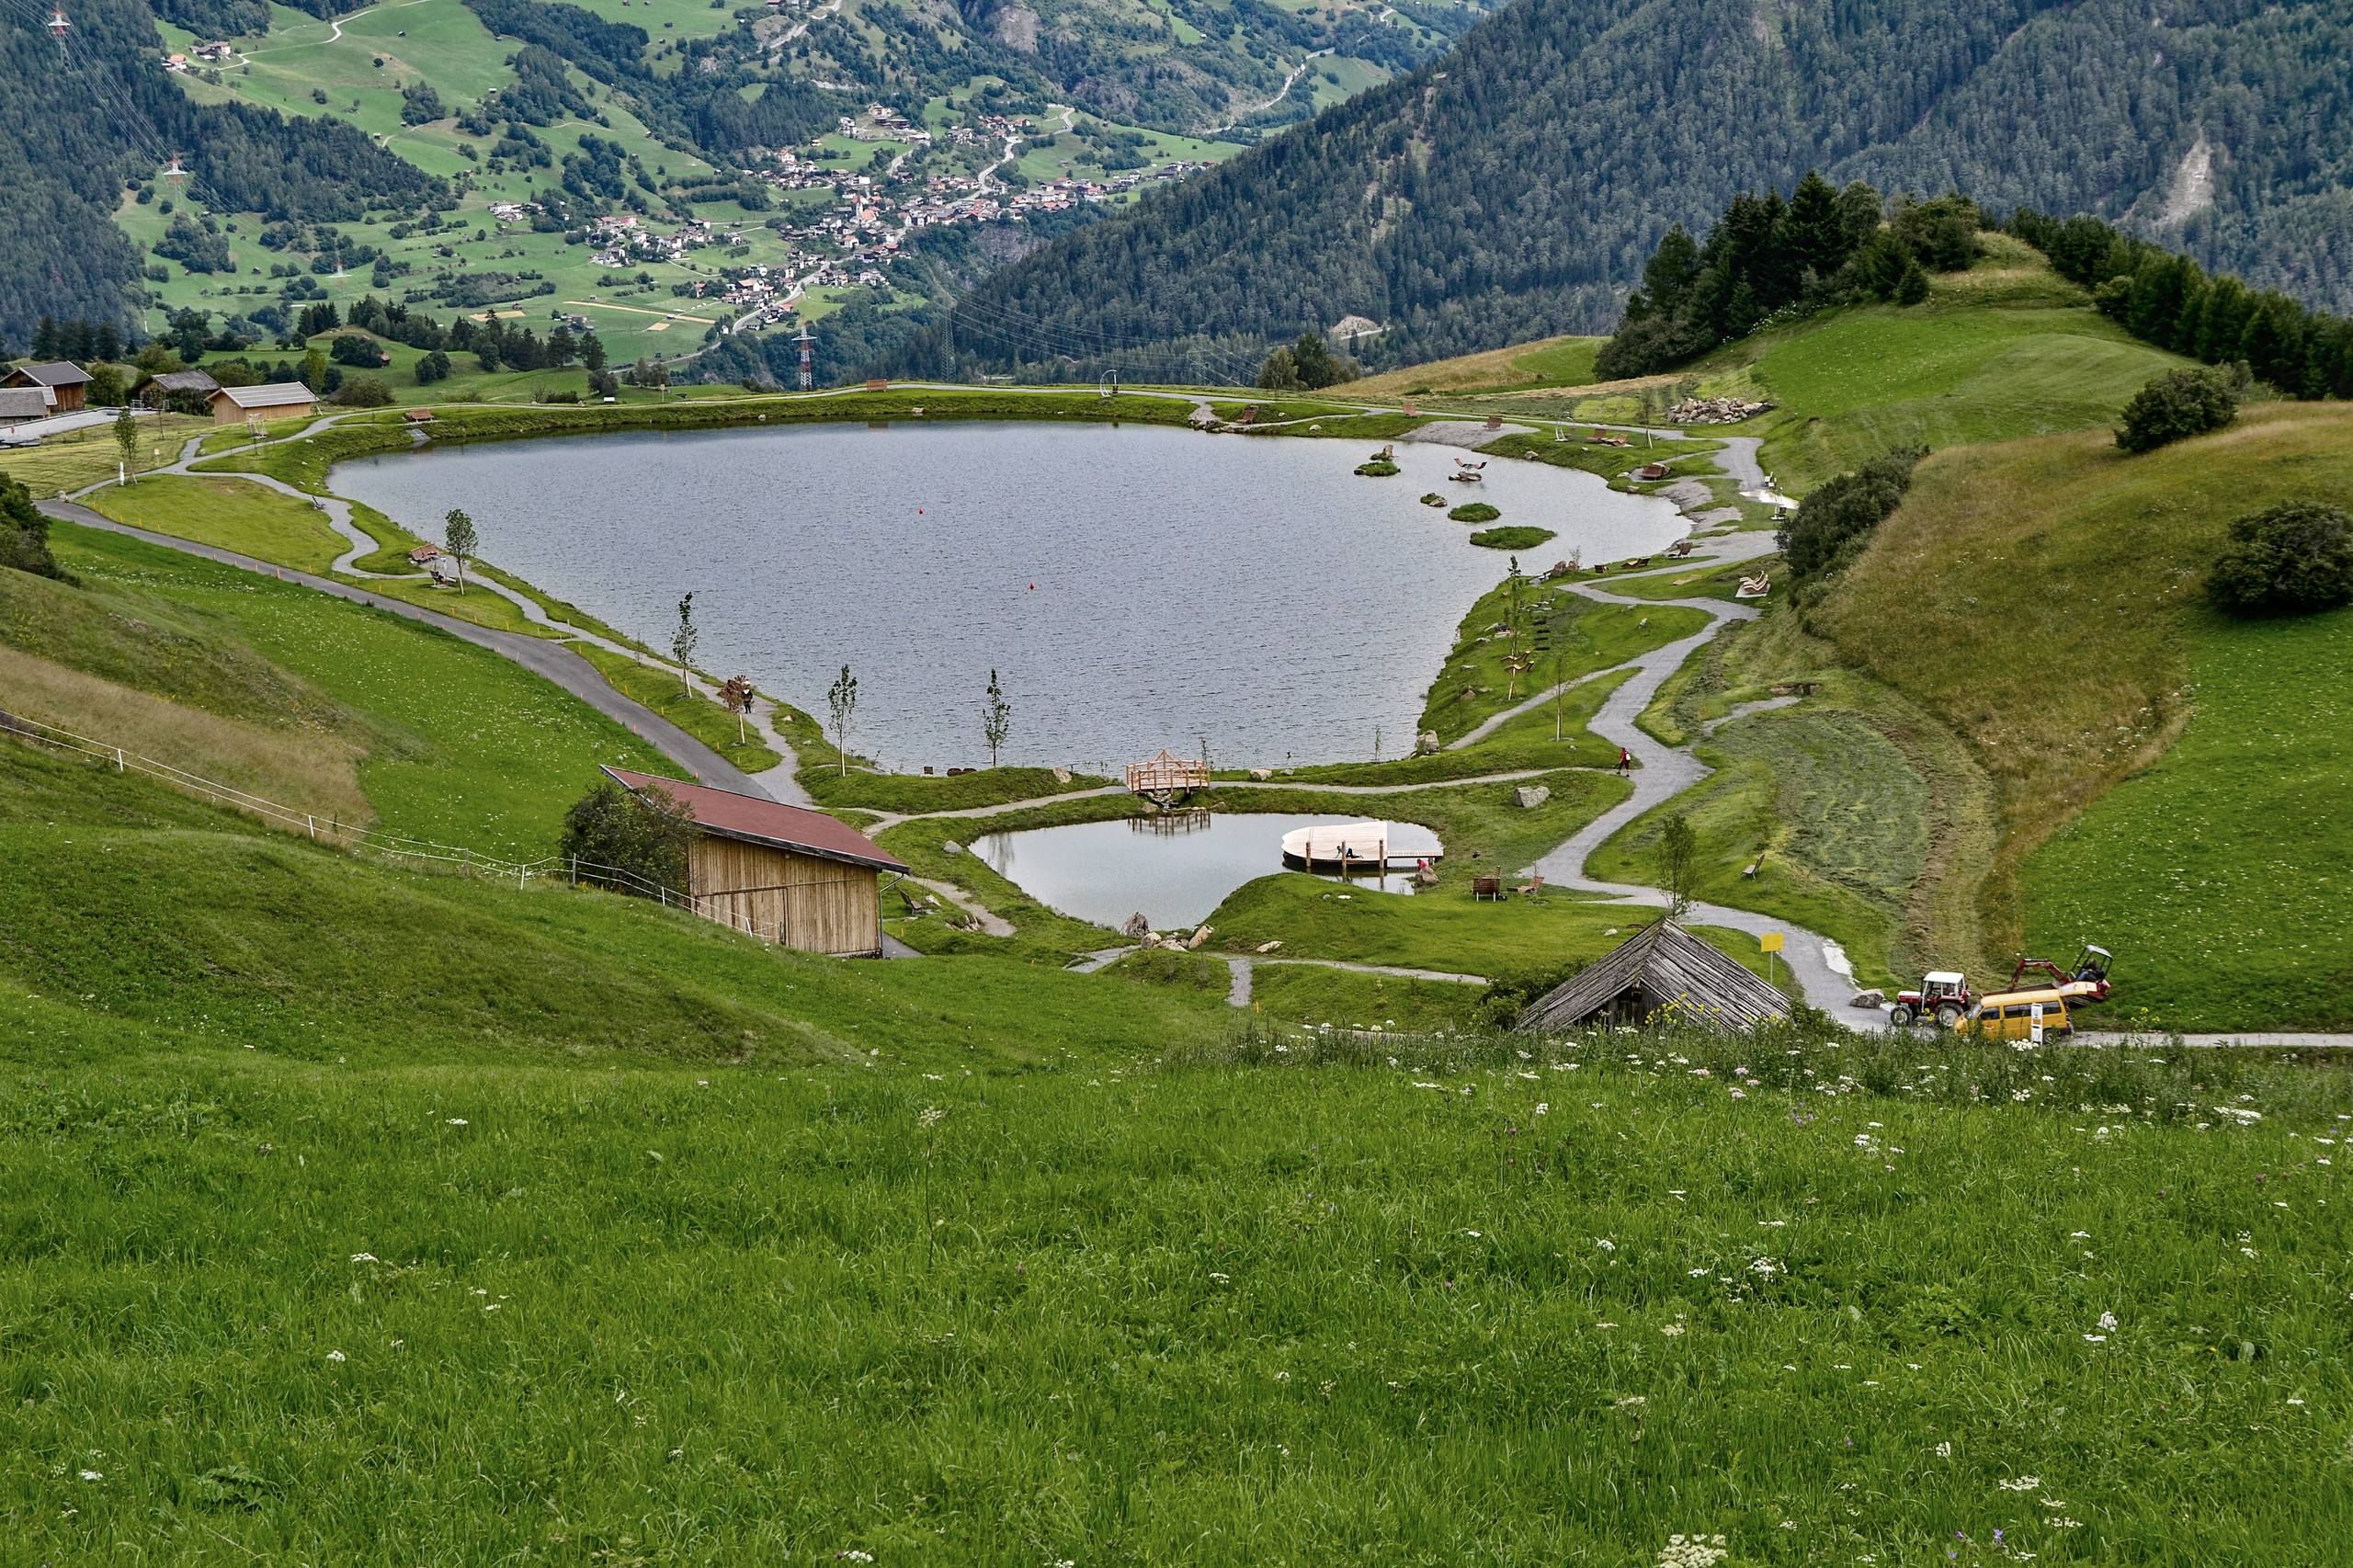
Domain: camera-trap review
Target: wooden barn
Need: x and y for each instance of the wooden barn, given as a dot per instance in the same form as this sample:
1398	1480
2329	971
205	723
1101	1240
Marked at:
797	877
67	383
1661	973
277	400
181	392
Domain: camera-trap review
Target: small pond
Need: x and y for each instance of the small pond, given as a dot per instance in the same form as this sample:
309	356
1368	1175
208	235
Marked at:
1135	587
1174	869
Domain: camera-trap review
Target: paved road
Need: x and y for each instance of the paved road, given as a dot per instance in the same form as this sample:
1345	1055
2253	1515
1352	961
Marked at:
541	655
779	782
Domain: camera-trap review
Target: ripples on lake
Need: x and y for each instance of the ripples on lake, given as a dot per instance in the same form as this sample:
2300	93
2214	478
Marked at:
1134	586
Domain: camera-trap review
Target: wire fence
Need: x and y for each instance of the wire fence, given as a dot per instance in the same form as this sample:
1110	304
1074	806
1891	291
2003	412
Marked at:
354	837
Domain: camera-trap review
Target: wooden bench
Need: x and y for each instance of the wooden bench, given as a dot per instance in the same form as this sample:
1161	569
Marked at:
1487	887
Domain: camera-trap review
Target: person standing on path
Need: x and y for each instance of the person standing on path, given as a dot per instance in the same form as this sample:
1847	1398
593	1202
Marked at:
1625	760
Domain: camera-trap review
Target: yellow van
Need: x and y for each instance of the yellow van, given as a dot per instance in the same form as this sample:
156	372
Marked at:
2010	1015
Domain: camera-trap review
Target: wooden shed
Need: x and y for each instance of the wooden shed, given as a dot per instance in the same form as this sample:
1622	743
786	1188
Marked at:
794	877
276	400
1661	973
66	383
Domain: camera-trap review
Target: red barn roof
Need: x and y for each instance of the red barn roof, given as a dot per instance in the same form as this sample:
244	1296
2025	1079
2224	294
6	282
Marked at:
756	820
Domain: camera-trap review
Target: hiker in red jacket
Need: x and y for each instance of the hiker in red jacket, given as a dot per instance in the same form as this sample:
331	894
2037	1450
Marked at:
1625	760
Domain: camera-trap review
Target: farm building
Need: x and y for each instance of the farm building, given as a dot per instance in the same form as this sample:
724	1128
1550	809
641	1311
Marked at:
19	406
180	390
278	399
1661	970
67	384
797	877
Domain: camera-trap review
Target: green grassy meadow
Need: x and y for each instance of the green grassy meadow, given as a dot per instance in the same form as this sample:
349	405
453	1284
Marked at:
1271	1295
461	746
2226	858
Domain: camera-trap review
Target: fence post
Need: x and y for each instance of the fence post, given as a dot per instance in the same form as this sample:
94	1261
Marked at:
118	761
576	870
466	861
310	826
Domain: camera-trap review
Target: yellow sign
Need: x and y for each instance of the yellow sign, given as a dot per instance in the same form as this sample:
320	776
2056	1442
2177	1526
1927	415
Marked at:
1770	942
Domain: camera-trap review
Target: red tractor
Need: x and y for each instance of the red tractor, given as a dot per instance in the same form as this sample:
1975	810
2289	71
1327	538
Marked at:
1944	995
2084	983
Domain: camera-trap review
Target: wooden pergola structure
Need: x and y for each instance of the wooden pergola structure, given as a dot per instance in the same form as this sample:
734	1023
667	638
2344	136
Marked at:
1165	777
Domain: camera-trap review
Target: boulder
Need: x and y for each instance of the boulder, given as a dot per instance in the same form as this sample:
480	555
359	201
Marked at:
1426	742
1138	928
1530	796
1199	936
1872	999
1061	775
1270	947
950	846
1260	775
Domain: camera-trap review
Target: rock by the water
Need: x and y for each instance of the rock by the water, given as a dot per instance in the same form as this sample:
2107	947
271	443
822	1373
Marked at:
1061	775
1200	935
1426	742
1868	999
1136	929
1530	796
1260	775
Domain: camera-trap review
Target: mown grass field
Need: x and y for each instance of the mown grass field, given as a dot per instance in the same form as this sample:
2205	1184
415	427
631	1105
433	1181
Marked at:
89	456
461	746
1866	820
2007	350
225	512
2227	860
1548	362
2052	617
1230	1299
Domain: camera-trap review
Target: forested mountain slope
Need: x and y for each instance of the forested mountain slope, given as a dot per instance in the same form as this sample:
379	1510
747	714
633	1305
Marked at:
1512	188
84	117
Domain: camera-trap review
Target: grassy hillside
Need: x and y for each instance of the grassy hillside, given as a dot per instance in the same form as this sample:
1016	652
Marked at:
1548	362
454	743
2042	599
2006	349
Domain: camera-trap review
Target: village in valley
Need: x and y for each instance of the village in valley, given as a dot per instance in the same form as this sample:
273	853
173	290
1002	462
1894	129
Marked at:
844	229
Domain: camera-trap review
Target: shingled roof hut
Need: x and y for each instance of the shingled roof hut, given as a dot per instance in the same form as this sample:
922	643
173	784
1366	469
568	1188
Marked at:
1662	969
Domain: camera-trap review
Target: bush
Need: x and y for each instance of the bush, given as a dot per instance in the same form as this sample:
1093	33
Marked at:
1379	468
1474	511
1831	522
362	391
2285	560
622	839
2180	403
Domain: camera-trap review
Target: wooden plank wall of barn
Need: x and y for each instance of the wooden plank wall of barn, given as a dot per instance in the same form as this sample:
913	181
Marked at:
818	907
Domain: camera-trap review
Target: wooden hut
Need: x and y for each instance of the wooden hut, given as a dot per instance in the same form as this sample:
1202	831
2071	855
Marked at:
1662	972
277	400
794	877
182	391
67	383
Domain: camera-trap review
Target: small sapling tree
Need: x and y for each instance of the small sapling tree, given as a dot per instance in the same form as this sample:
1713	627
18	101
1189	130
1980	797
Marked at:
841	705
1677	857
459	538
683	642
996	719
126	440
